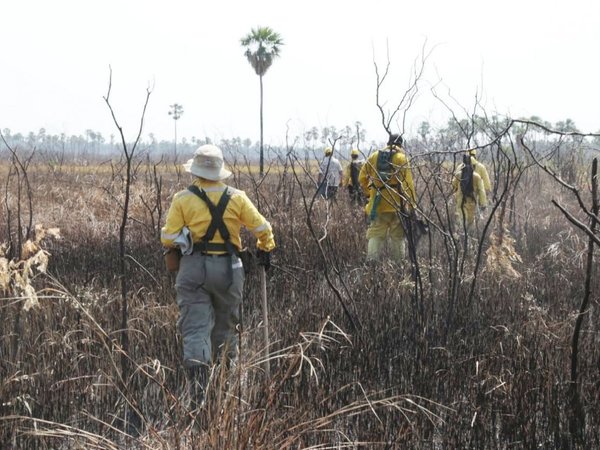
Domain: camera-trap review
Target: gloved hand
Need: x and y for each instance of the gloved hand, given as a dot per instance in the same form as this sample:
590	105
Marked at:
264	259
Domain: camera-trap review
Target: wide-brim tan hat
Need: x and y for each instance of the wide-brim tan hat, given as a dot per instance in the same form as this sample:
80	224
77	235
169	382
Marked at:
207	163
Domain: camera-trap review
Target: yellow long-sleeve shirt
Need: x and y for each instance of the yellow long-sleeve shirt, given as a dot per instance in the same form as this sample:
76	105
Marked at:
187	209
483	173
399	182
478	188
347	178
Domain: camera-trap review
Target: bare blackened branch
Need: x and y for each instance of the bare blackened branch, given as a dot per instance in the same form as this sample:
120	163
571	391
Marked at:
308	207
558	179
123	226
22	167
550	130
579	224
409	95
577	413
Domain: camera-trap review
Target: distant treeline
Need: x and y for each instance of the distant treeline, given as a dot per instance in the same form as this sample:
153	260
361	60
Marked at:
455	135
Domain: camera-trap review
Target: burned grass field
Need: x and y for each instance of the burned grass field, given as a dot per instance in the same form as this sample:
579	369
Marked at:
471	347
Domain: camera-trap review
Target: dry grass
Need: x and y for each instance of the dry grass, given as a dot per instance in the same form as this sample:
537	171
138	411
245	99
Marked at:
497	378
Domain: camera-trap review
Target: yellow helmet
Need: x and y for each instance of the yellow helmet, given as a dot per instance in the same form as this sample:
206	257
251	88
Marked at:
354	152
328	151
472	152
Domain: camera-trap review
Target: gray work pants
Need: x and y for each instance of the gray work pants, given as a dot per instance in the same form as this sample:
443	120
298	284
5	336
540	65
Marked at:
209	295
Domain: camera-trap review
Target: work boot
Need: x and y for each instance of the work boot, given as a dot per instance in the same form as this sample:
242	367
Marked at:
198	380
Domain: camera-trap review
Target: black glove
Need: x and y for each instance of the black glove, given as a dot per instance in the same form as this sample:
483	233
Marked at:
264	259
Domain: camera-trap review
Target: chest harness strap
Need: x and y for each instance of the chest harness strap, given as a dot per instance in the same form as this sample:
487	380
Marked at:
216	223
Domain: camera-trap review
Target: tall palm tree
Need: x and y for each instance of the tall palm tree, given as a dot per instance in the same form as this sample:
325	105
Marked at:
176	112
262	46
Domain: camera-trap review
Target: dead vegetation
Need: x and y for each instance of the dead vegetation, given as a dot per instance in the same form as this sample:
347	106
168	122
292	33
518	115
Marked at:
478	357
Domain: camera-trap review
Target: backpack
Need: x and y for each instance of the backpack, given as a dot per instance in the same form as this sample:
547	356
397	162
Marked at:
384	165
354	172
385	169
466	177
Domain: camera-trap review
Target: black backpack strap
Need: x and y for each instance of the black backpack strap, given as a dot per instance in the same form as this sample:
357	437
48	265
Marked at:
216	223
354	171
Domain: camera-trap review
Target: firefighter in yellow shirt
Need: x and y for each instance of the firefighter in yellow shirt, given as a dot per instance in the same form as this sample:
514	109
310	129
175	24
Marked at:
469	191
350	178
387	180
210	280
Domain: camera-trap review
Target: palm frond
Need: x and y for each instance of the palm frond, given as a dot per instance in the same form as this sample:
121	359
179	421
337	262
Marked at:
262	46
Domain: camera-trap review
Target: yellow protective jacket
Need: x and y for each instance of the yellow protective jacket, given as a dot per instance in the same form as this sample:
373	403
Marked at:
398	188
347	178
478	188
187	209
483	173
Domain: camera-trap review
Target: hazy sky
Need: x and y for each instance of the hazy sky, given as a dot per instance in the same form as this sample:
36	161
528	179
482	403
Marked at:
523	57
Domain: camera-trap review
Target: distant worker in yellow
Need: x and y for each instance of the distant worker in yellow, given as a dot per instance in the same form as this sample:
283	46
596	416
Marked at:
210	279
480	169
387	180
351	173
469	191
